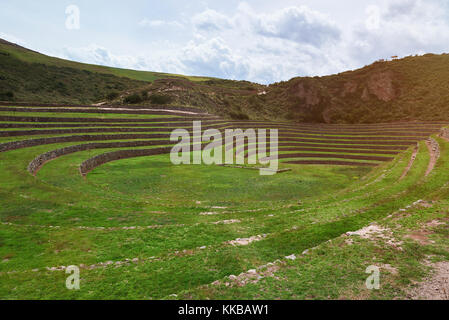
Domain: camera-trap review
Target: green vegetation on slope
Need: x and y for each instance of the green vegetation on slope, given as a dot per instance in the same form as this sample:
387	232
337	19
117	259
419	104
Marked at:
29	76
413	88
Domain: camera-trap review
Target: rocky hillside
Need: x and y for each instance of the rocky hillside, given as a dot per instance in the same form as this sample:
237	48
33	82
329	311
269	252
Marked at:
413	88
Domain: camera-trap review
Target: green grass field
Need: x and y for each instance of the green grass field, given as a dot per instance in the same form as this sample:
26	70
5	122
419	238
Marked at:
143	228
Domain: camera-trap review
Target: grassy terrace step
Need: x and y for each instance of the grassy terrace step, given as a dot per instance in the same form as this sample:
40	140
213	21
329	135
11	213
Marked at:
61	170
332	162
90	116
94	111
222	124
178	220
39	161
282	135
109	119
282	149
10	144
158	279
137	107
436	183
167	125
332	155
342	146
300	127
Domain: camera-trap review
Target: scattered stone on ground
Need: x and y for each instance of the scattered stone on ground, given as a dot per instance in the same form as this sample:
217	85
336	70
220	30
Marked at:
435	223
246	241
251	276
227	221
435	286
208	213
376	232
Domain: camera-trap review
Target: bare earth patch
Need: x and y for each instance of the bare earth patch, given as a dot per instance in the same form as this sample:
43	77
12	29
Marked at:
421	237
247	241
435	287
410	164
434	150
227	221
208	213
375	232
389	268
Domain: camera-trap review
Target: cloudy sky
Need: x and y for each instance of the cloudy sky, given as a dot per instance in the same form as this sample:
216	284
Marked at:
262	41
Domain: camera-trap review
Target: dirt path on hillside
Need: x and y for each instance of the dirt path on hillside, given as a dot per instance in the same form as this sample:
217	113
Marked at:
410	164
435	287
164	110
434	150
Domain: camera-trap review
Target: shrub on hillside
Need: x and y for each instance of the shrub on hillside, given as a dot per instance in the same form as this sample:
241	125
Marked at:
144	95
112	96
134	98
7	96
238	116
159	99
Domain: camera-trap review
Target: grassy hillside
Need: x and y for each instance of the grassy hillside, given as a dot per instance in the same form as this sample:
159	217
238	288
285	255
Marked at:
26	75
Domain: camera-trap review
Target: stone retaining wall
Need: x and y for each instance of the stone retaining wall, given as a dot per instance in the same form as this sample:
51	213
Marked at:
99	160
14	145
40	160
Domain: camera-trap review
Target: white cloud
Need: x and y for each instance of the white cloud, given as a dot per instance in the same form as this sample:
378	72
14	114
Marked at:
96	54
294	41
214	58
159	23
260	47
93	54
299	24
211	20
403	27
373	18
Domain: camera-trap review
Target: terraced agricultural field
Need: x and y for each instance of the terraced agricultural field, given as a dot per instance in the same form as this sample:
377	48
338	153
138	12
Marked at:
95	188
